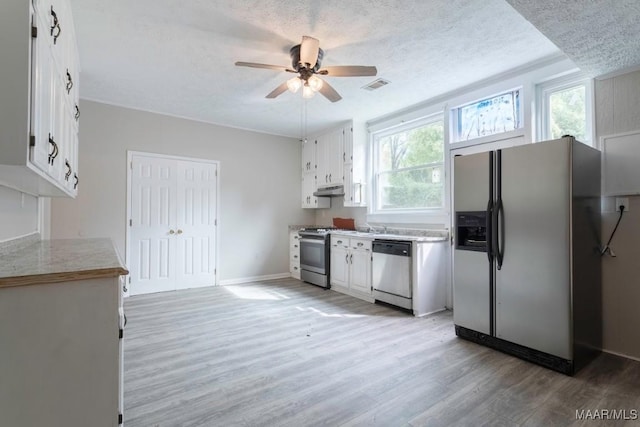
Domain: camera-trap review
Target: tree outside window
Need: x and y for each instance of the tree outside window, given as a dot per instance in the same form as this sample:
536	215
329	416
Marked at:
410	169
567	113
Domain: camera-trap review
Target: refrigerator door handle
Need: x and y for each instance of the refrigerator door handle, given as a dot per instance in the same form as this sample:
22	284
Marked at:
489	220
499	213
499	233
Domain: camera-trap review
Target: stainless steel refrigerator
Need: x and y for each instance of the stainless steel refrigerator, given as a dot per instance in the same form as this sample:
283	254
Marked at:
527	269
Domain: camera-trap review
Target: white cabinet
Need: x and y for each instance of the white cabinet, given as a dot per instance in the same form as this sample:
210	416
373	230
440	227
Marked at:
294	254
39	110
309	177
330	157
351	266
355	160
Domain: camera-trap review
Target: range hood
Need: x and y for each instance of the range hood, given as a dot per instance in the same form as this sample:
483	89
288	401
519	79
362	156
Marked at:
333	191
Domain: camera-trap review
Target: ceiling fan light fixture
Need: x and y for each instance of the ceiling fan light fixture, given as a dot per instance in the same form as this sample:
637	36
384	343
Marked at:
307	92
294	84
315	83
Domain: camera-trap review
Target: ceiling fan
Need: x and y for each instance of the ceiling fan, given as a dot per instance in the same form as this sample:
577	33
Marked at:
306	59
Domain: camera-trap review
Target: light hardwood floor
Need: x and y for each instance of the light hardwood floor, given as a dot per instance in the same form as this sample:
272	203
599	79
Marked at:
287	353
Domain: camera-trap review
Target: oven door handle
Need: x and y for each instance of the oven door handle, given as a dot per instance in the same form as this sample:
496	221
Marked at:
313	241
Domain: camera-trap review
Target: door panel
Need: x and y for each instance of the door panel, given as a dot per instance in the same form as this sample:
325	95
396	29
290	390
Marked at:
153	214
196	225
471	291
472	296
533	285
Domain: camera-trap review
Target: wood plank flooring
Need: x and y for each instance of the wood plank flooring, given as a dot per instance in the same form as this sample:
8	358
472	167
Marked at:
285	353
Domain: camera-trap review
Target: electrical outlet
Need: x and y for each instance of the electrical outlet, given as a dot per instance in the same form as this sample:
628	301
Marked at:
622	201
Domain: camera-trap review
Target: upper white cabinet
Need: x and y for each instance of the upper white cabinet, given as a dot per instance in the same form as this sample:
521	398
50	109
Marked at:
331	157
310	177
355	161
39	110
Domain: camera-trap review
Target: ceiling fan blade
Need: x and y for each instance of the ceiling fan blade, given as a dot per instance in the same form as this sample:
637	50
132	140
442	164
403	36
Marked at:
267	66
277	91
348	71
329	92
309	51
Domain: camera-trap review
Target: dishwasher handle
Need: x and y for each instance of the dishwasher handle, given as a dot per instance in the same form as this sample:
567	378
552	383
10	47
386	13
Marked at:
392	247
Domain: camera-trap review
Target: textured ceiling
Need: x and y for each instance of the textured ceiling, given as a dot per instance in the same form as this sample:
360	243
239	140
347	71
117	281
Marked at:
601	37
177	57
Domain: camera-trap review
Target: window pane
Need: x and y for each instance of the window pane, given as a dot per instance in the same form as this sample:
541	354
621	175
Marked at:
567	113
411	148
411	189
490	116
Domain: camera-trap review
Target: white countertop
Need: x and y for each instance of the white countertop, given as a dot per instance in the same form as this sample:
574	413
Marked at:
386	236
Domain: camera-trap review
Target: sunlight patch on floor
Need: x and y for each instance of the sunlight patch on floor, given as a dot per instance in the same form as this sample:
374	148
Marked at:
323	314
255	293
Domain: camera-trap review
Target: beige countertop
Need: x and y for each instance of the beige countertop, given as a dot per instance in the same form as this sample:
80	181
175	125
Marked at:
390	236
51	261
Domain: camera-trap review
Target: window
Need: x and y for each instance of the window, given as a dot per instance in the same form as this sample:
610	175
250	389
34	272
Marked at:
498	114
565	109
408	168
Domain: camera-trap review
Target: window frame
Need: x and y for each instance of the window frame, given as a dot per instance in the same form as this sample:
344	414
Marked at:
405	215
544	91
454	114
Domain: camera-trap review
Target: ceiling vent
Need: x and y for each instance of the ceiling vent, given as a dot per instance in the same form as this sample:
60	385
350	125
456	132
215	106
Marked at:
376	84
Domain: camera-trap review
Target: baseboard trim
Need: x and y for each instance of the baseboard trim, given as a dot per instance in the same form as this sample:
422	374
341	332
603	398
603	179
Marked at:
626	356
254	279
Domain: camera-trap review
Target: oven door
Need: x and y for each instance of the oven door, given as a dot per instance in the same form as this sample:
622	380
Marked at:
312	255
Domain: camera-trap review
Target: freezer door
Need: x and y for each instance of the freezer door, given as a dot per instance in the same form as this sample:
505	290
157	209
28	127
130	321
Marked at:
533	284
472	293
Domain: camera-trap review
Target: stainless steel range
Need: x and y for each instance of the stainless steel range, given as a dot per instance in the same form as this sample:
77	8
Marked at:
314	256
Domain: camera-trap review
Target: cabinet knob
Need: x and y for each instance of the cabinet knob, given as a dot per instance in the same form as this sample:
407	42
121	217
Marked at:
77	115
172	232
69	82
329	177
351	258
68	173
55	28
75	184
346	258
179	231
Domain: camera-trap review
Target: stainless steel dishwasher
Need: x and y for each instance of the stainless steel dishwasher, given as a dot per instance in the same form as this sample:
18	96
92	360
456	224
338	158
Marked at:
391	272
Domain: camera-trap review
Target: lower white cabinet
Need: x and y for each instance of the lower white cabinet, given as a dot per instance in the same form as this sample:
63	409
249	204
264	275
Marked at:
61	354
294	254
351	266
61	334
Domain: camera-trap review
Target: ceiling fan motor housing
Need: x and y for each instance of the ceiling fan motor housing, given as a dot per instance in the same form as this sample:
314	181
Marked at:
295	59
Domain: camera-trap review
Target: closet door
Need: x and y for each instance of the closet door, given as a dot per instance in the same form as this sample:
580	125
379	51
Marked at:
153	238
196	224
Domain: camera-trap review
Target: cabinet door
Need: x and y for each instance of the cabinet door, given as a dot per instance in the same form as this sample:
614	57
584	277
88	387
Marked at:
42	96
309	162
360	263
58	130
339	262
308	187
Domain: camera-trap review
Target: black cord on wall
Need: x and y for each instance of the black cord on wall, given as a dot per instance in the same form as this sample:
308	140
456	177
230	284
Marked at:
606	248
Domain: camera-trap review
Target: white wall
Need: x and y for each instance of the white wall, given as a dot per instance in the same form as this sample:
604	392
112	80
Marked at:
618	110
337	210
18	214
259	184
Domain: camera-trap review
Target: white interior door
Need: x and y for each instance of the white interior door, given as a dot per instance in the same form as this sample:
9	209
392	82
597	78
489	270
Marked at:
152	242
173	219
196	224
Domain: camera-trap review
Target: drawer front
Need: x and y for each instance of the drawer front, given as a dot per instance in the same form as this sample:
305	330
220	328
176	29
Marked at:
340	241
361	244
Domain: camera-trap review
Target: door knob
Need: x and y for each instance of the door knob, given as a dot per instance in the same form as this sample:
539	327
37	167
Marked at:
171	232
179	231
